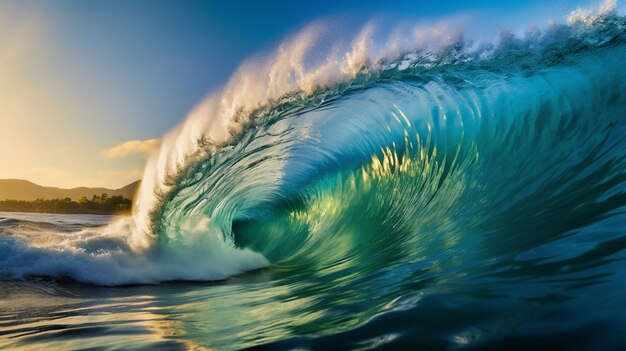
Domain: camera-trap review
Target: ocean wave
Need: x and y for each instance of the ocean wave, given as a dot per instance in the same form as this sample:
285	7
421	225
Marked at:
436	150
444	127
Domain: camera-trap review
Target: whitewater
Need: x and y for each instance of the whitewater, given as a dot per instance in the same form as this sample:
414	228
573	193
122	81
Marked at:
348	194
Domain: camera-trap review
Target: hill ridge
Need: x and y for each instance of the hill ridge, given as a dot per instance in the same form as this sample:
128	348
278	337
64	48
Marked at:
25	190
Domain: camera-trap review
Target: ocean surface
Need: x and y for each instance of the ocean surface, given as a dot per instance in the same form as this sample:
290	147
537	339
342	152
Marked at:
445	193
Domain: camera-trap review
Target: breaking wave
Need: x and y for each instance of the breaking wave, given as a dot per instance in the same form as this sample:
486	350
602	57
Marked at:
430	147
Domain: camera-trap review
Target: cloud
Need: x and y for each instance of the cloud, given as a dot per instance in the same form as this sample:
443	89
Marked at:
143	147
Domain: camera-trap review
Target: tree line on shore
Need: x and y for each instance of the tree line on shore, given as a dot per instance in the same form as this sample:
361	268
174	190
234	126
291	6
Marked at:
102	204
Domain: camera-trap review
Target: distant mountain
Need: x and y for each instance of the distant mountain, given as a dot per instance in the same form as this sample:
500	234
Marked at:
19	189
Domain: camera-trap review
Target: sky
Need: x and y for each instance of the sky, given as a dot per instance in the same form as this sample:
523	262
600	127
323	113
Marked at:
87	88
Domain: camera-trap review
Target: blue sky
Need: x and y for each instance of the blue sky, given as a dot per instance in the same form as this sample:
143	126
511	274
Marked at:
80	77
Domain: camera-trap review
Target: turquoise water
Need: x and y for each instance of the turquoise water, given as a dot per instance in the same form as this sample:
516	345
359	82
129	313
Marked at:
451	201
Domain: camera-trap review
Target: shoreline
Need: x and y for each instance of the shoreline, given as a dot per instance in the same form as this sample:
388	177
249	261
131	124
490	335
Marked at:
62	213
68	213
103	205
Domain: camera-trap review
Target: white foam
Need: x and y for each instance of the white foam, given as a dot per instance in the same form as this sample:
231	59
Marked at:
102	256
591	15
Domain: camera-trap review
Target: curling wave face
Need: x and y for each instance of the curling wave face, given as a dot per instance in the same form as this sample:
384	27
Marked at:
451	154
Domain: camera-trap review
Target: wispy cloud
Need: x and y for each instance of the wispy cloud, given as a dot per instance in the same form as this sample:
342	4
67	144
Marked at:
143	147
